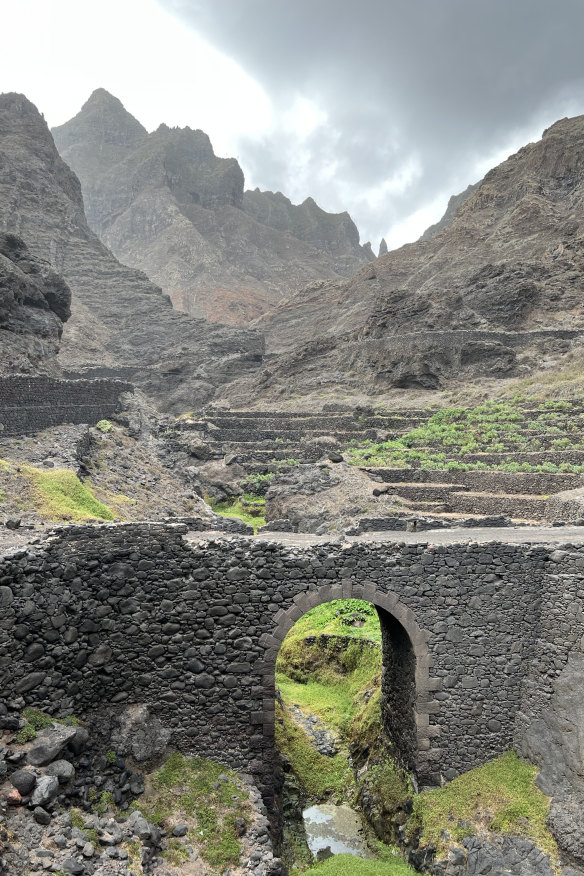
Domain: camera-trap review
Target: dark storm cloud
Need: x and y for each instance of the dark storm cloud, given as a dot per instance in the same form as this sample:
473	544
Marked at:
435	85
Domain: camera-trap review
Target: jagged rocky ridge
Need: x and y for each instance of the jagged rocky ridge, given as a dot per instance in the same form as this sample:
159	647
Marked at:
166	204
466	303
34	303
120	320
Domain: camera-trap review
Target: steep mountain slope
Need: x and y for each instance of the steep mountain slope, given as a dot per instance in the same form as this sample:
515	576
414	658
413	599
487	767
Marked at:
498	292
166	204
34	304
119	318
453	204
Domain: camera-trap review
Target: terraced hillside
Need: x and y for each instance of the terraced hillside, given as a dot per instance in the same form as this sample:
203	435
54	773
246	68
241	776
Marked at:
498	463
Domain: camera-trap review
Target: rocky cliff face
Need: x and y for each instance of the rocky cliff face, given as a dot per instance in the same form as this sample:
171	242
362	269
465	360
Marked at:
165	204
453	204
119	318
468	301
34	304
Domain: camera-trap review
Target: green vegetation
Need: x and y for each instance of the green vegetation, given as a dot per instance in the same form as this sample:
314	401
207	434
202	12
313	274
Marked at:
505	788
338	681
249	508
340	617
110	756
320	776
61	495
102	802
176	853
104	426
36	720
76	818
494	427
26	734
207	792
391	864
388	784
257	483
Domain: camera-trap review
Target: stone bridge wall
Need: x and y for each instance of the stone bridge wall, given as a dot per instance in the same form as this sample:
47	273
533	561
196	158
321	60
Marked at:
117	614
29	404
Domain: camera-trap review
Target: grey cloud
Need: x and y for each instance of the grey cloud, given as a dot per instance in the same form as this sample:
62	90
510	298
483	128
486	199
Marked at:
450	81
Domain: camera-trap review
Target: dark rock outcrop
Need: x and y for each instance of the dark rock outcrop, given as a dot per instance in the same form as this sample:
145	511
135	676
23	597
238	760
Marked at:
166	204
120	320
34	303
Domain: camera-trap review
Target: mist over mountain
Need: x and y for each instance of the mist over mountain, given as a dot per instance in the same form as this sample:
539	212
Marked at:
465	301
166	204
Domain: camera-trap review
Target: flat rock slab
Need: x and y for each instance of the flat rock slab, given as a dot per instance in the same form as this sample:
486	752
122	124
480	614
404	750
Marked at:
50	743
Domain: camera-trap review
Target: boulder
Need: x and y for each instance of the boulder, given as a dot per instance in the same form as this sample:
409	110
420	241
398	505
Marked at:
139	734
50	743
24	781
47	788
62	769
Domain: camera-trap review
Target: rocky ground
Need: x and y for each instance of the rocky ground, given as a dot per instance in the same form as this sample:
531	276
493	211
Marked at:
70	801
124	471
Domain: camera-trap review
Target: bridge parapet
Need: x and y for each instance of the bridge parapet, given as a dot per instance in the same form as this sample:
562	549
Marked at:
101	617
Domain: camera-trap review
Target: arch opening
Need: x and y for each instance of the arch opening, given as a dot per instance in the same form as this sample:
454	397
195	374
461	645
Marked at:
406	685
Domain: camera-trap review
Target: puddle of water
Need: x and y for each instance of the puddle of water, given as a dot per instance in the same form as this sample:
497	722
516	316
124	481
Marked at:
337	828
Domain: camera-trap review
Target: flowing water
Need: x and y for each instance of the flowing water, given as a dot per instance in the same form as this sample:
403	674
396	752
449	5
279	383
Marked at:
337	828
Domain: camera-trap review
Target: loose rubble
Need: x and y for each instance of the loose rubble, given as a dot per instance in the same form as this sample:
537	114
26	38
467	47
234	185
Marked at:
69	807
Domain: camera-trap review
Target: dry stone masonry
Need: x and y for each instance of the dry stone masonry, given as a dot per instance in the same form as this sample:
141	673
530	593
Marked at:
474	635
30	404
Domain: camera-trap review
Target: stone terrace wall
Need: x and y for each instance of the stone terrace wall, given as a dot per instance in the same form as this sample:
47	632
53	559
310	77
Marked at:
29	404
133	613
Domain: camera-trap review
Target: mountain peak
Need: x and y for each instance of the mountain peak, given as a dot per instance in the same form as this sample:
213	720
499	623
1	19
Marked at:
104	119
104	122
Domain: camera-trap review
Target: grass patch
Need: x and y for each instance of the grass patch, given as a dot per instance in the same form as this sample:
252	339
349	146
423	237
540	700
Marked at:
191	788
346	699
62	496
330	668
392	864
340	617
501	795
176	853
37	720
320	776
248	508
389	784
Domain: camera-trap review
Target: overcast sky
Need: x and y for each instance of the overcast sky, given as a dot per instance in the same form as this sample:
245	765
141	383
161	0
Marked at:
381	107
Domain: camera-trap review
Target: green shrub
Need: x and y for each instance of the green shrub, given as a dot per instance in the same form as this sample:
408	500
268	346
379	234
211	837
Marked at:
236	509
104	426
26	734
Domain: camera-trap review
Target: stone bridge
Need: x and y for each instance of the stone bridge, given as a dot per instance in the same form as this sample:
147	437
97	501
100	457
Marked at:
474	634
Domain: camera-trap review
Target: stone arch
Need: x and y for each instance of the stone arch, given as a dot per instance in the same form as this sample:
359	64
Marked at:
422	755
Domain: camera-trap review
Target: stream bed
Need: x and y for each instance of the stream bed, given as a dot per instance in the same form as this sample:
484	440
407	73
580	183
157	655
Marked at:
337	828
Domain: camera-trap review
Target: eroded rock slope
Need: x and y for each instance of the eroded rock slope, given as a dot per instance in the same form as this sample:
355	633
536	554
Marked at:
34	303
120	320
166	204
467	302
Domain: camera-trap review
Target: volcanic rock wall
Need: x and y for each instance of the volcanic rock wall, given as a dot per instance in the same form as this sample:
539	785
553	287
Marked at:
30	404
106	615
